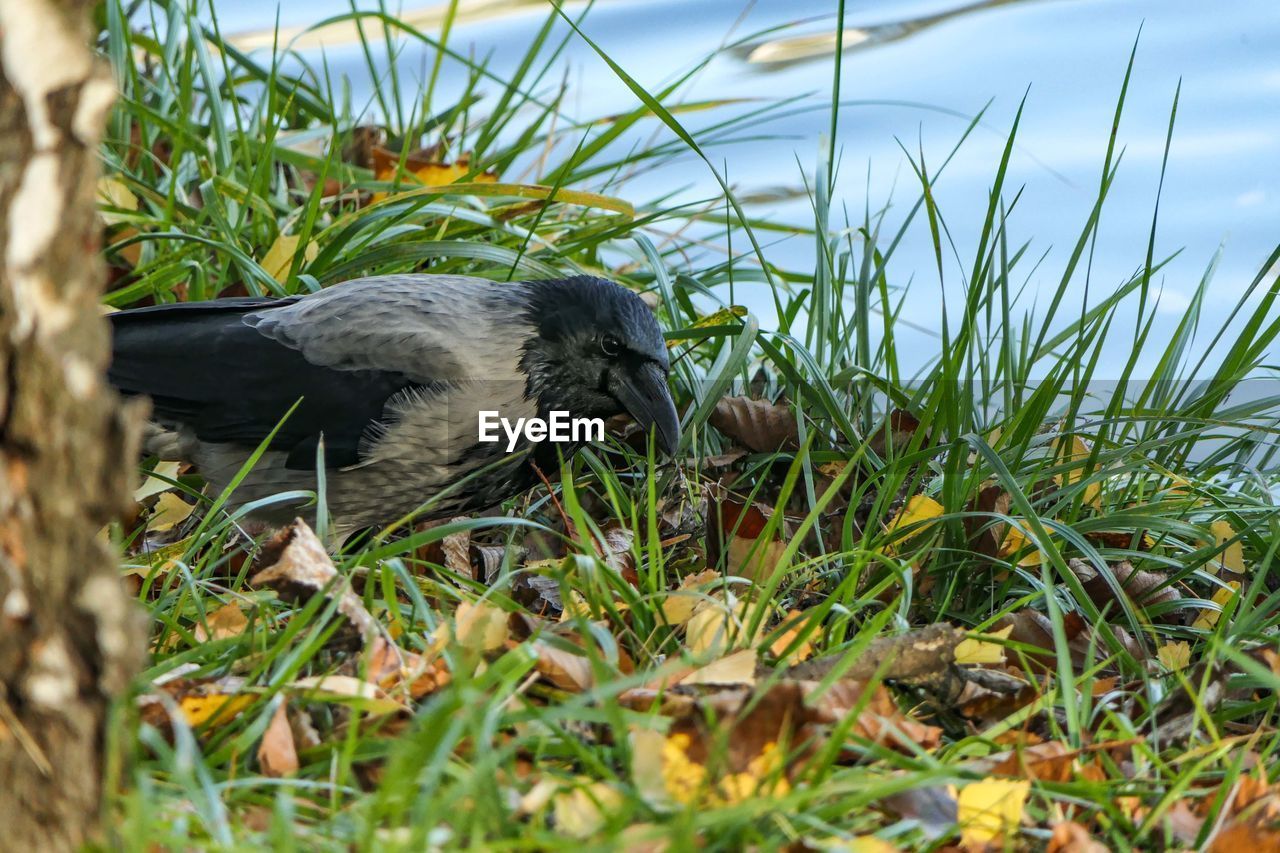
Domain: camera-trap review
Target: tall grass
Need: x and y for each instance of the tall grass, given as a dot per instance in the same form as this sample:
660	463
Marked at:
226	152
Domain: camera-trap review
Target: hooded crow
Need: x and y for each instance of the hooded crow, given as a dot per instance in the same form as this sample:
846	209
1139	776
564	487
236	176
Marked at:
394	374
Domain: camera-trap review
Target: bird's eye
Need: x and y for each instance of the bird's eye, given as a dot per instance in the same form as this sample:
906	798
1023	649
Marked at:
610	345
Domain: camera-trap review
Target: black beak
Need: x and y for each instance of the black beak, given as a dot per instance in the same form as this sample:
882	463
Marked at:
644	393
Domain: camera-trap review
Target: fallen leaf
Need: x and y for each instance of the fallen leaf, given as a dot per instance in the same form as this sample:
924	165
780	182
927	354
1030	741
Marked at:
584	810
279	257
932	808
1075	452
1231	559
1174	656
1051	761
917	515
740	541
1144	589
425	169
563	668
225	622
170	511
989	811
972	651
1221	597
299	568
348	690
277	755
1070	837
758	425
795	624
481	626
457	553
153	484
736	668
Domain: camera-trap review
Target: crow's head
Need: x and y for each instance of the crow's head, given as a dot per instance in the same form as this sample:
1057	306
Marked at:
597	351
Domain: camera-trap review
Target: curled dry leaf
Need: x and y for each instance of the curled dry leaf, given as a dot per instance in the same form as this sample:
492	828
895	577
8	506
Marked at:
614	549
457	553
993	537
895	433
1144	589
758	425
1033	628
277	754
299	568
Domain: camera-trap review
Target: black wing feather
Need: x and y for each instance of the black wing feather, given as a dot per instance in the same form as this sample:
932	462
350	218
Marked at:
204	367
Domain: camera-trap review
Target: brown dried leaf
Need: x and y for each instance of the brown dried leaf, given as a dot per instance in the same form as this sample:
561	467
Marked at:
563	668
1145	589
457	553
1070	837
1255	828
758	425
277	755
300	568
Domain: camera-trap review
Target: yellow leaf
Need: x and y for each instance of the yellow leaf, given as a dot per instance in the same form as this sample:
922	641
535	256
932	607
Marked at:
582	812
1208	618
347	690
719	625
279	258
795	623
219	708
225	622
646	765
481	627
114	192
724	317
153	485
1232	559
1076	454
736	668
990	811
170	511
971	650
918	513
1175	656
432	174
1015	542
755	559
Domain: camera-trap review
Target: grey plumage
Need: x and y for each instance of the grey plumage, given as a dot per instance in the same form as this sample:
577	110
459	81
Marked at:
392	372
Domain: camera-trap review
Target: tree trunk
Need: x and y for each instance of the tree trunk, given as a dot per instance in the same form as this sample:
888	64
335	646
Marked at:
70	638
